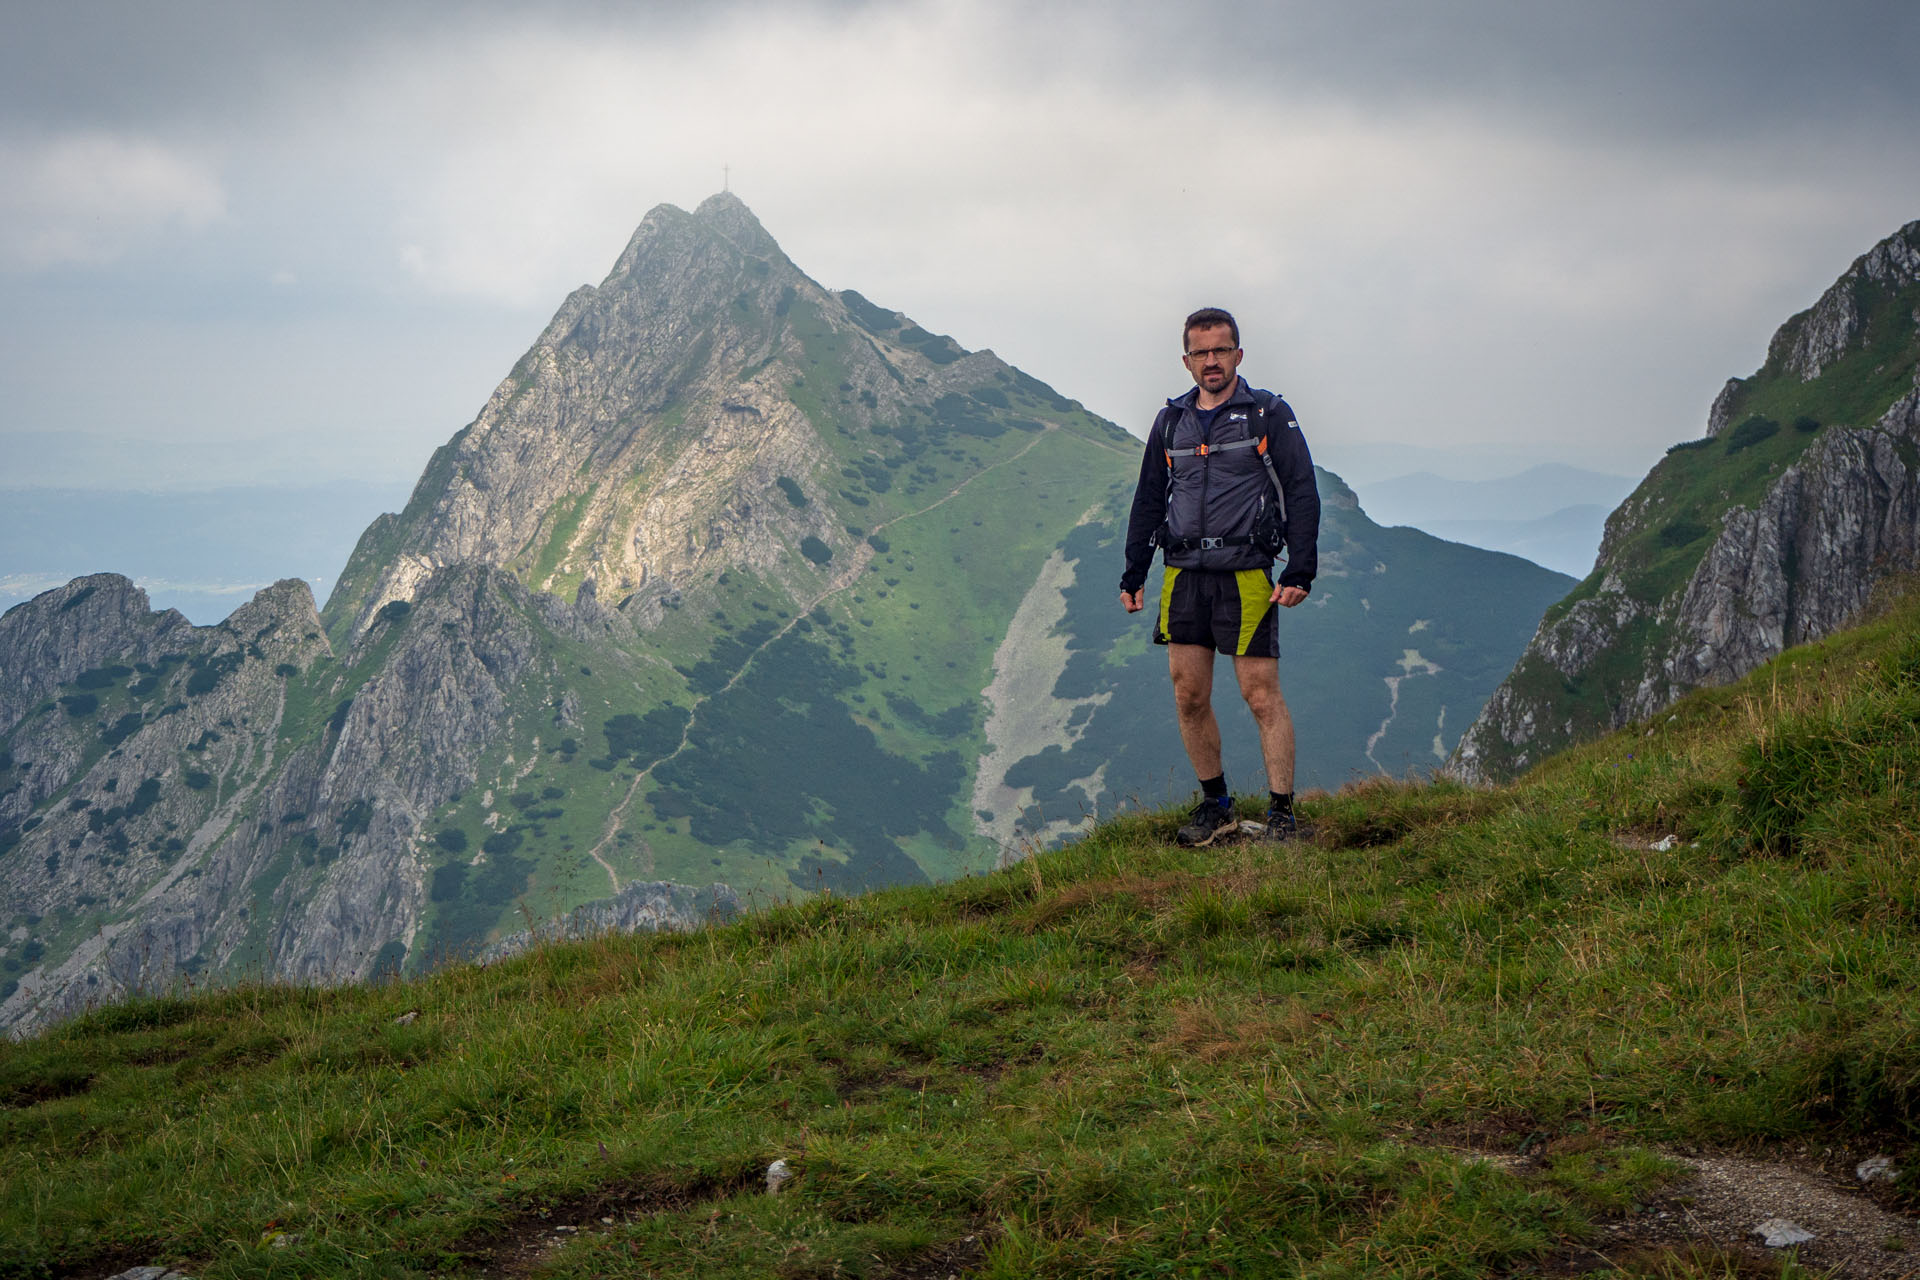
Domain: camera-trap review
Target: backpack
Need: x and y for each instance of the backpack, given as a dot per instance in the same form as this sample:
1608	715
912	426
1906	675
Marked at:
1270	529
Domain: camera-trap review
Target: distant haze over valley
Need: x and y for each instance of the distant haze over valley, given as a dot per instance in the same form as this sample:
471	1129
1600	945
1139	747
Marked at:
1550	514
205	551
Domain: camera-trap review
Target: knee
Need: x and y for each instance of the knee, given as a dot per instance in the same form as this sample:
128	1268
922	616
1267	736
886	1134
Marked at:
1263	702
1189	700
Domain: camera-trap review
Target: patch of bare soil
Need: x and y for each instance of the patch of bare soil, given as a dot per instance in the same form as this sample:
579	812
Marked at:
520	1246
948	1261
1730	1195
1709	1219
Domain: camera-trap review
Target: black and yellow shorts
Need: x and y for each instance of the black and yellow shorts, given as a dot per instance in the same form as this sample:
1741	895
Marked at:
1225	610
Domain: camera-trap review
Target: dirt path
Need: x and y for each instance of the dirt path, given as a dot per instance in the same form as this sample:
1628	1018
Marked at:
1723	1201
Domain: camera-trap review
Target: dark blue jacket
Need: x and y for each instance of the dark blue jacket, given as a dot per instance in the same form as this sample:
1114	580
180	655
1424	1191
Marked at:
1217	492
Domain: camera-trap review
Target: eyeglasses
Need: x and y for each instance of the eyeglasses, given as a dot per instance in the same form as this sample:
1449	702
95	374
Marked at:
1212	353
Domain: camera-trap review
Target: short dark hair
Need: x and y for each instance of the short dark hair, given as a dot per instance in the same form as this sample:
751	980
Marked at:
1207	318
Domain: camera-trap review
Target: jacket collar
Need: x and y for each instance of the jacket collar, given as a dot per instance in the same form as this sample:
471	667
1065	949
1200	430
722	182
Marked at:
1242	394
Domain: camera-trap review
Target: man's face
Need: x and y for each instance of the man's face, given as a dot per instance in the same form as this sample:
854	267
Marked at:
1212	358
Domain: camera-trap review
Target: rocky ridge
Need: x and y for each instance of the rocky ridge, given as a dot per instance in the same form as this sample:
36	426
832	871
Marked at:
1756	538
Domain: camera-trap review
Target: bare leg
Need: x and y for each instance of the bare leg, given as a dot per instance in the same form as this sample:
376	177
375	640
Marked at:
1191	666
1260	685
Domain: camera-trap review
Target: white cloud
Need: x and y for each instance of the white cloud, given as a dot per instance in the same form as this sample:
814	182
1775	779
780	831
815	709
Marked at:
86	197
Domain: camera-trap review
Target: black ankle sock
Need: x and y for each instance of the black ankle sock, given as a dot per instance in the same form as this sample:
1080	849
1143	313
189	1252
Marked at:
1280	803
1214	788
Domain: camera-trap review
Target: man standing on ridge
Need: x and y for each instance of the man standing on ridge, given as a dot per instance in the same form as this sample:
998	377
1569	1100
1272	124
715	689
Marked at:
1226	483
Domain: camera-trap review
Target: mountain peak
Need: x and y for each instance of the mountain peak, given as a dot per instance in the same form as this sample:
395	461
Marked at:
728	214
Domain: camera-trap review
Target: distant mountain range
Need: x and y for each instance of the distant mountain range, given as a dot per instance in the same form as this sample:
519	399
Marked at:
737	584
1550	514
203	552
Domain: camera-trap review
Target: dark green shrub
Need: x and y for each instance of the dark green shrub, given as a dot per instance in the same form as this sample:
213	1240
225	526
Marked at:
813	549
1751	432
503	842
197	780
867	315
357	817
447	882
1682	532
791	487
209	672
394	610
122	729
644	738
144	798
80	705
1806	425
452	839
102	677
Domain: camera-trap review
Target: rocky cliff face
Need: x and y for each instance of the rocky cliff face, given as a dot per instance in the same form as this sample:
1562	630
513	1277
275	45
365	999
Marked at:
1771	531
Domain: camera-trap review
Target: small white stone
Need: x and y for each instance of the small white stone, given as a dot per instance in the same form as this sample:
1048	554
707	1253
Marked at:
1663	844
406	1017
1876	1169
1778	1233
777	1176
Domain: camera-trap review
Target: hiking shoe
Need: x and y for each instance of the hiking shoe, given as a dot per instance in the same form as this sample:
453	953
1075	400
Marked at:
1279	826
1210	818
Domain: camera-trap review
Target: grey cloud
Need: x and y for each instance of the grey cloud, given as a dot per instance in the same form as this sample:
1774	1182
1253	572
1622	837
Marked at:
1642	67
1723	68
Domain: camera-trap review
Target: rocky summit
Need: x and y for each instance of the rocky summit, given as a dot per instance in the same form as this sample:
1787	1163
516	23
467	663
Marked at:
1773	529
738	588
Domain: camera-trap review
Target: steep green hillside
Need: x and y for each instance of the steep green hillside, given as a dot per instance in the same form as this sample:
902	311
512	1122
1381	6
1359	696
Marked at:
1461	1033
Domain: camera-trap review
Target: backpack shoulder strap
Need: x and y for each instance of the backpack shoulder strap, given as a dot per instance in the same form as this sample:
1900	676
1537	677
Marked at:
1260	442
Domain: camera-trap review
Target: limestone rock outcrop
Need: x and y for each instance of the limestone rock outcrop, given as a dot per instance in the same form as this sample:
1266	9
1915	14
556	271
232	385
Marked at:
1761	536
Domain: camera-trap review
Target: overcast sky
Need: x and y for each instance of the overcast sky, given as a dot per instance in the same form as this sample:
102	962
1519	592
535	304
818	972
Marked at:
257	242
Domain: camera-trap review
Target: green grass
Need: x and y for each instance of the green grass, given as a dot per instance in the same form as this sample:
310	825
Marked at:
1119	1059
563	519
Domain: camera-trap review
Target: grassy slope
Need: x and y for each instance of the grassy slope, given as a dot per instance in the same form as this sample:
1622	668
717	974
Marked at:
1118	1059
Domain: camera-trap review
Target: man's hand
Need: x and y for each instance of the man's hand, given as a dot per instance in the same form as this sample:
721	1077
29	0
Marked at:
1131	601
1287	597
